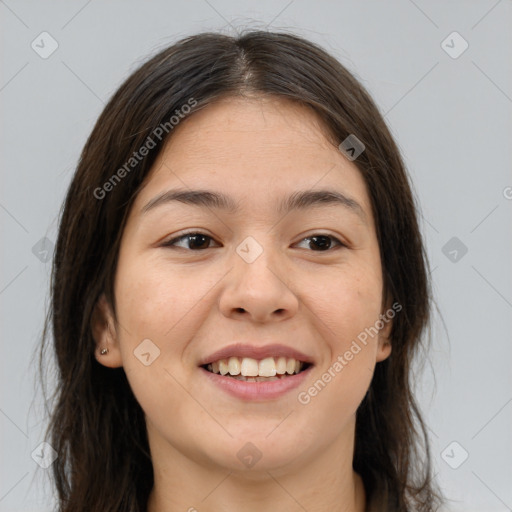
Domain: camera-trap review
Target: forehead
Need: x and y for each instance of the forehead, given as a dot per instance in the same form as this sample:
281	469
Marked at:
256	150
239	124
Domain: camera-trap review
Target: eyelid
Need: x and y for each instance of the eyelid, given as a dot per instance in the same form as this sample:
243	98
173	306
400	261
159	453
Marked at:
171	242
327	235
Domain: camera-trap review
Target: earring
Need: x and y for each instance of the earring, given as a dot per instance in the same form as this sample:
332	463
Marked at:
104	351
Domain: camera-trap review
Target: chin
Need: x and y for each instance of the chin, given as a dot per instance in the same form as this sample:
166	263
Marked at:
258	449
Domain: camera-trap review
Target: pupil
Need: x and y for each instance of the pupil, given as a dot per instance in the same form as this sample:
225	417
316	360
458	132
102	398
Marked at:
326	241
194	239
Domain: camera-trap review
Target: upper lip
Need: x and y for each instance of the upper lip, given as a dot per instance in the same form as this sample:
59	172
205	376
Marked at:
256	352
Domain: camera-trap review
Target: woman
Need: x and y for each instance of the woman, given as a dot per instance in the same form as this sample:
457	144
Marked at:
238	289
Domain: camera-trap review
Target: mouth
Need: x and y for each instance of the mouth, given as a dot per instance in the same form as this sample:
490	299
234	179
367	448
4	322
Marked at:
257	373
248	369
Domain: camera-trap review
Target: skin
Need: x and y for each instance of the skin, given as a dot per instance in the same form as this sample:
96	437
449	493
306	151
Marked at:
190	302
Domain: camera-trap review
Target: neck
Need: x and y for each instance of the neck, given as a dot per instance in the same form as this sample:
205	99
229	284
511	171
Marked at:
323	483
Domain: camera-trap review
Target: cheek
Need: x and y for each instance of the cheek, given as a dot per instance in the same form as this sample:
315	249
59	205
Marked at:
159	311
345	301
346	318
154	298
346	305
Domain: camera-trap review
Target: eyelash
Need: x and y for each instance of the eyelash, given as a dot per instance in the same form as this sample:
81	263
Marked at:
172	243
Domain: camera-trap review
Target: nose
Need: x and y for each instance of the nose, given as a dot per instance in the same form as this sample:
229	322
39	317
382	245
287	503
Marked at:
258	290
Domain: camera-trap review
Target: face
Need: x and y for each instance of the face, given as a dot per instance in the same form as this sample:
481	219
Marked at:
264	284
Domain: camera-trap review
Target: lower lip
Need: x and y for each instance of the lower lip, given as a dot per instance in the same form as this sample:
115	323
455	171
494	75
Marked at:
257	391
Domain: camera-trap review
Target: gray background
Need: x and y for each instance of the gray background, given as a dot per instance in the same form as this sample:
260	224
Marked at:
451	118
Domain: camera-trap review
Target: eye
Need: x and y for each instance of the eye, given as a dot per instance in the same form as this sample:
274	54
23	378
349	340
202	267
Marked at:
197	241
322	241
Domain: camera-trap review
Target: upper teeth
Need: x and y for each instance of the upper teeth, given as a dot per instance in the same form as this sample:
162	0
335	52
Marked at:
249	367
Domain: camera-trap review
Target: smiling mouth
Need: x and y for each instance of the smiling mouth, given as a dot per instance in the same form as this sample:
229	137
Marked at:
253	370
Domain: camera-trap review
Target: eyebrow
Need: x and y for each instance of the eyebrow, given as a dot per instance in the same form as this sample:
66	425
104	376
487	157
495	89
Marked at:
299	200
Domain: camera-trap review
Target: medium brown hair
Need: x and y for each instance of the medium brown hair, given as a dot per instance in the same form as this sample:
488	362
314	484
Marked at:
96	424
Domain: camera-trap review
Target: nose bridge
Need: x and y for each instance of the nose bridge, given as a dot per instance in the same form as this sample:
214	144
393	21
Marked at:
256	286
249	250
256	262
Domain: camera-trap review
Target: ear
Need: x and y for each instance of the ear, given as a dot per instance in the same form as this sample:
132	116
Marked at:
384	341
105	335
